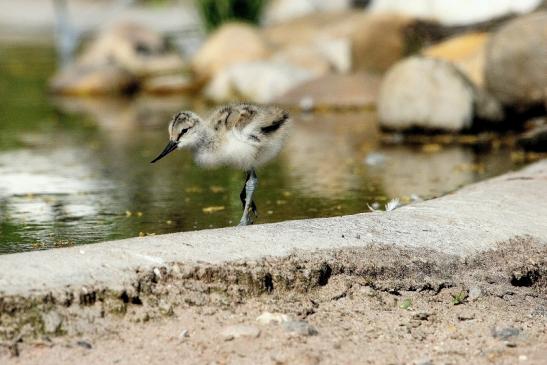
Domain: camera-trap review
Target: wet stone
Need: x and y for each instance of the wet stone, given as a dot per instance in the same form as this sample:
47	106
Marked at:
534	140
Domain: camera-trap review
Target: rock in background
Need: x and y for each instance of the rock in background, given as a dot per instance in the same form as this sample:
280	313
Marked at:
466	51
259	81
379	41
334	91
455	13
279	11
93	80
309	58
328	45
434	95
117	61
516	62
535	139
265	63
333	44
374	42
232	43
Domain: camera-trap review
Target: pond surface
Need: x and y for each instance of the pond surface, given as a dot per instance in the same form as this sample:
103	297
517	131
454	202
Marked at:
76	170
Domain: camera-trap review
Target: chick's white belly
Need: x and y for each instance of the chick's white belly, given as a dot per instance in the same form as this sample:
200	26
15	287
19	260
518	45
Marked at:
233	152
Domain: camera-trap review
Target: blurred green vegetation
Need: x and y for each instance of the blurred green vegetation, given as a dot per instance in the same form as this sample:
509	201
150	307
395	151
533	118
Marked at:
23	74
216	12
26	108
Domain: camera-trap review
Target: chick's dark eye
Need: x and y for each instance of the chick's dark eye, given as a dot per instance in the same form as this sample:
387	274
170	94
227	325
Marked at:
182	132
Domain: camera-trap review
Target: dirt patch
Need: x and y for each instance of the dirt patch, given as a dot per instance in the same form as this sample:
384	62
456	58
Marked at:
375	304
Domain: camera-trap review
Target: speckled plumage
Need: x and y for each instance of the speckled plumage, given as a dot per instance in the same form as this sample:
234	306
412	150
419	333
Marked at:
244	136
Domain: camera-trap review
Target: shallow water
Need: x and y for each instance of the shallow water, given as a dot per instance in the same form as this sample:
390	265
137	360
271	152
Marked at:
76	171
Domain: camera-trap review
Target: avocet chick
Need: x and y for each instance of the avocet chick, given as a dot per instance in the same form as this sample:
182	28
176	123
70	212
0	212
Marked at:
243	136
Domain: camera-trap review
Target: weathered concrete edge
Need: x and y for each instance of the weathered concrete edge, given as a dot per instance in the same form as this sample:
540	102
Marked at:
467	222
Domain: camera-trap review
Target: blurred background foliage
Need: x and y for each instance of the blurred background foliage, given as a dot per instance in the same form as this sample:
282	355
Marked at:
216	12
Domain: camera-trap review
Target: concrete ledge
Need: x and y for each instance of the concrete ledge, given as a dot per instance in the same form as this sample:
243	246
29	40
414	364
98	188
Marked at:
468	222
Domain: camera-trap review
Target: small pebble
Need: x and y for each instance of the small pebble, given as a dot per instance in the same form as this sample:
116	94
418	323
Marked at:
52	321
165	308
300	328
239	330
505	333
157	272
84	344
422	316
368	291
466	317
375	159
414	198
474	293
268	318
306	104
424	361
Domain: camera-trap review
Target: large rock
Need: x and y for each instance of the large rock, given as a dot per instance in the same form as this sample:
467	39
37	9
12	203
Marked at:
466	51
258	81
309	58
314	29
379	41
319	57
432	94
337	52
462	12
334	91
354	39
536	138
133	47
516	62
279	11
93	80
232	43
116	61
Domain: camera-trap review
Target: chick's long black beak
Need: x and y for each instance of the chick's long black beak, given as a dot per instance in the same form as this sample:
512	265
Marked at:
171	146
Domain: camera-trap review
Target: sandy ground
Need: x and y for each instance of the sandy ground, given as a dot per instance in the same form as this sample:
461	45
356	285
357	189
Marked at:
487	309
